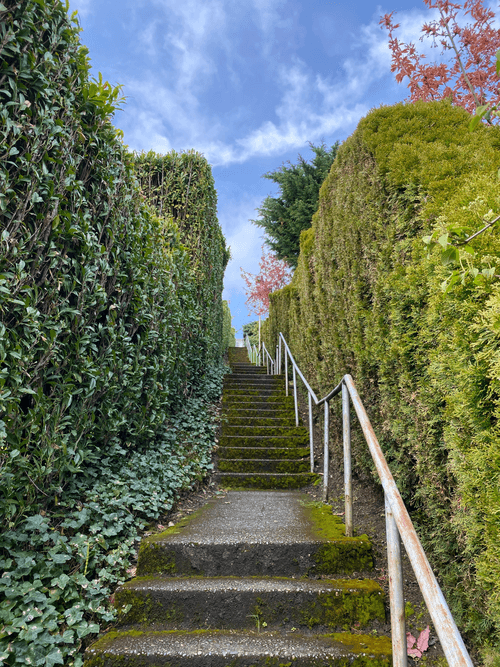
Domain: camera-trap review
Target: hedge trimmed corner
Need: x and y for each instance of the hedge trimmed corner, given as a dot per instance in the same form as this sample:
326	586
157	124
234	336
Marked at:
366	299
110	308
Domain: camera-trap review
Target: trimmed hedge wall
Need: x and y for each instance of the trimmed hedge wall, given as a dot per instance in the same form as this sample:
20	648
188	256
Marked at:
109	308
366	299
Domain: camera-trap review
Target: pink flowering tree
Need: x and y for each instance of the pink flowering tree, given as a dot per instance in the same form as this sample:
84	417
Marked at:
273	274
467	71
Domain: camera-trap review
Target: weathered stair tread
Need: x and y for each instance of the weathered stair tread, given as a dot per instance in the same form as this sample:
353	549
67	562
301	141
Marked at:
265	466
265	480
280	533
298	453
224	602
211	648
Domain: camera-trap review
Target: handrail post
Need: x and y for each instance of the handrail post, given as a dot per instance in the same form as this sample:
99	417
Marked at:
276	366
346	424
286	372
295	397
311	436
326	453
397	602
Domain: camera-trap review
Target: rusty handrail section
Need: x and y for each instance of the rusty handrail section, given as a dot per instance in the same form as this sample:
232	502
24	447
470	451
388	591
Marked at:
398	523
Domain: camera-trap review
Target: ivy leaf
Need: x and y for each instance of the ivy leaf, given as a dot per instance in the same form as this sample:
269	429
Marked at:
55	657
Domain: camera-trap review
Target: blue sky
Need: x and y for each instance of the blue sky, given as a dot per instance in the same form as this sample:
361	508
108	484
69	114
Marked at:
246	83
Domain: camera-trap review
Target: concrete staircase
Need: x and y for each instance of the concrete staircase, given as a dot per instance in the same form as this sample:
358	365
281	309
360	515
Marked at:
251	578
261	447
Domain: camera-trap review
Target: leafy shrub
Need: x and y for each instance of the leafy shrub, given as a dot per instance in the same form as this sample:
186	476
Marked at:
61	566
102	309
366	299
110	317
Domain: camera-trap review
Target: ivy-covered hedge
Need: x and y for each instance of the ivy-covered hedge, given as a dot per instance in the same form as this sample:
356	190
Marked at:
367	300
110	317
102	304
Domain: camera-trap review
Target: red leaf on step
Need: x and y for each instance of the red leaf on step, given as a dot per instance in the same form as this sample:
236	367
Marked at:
410	640
423	640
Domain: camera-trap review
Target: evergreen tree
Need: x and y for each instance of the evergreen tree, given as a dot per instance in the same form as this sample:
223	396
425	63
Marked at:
285	216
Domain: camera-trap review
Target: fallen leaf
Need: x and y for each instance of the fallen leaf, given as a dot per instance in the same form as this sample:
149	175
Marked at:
423	640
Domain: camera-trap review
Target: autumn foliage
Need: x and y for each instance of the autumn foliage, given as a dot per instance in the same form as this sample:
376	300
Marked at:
467	70
273	275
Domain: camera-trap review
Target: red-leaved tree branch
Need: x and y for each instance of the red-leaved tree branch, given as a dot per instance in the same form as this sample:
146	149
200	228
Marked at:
273	275
468	71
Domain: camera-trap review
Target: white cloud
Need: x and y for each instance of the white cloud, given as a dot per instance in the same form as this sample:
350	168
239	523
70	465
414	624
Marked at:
83	7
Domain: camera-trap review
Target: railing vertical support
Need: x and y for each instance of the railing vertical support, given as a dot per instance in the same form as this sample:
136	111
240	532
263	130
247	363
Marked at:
279	357
397	602
311	436
295	397
286	372
326	453
346	423
276	363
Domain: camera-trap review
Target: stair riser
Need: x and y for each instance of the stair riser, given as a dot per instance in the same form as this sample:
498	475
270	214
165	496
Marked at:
258	466
264	441
277	560
269	401
235	609
232	480
253	391
268	431
236	411
262	452
260	421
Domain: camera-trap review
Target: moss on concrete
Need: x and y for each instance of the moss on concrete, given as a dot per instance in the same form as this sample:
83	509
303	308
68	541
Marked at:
339	553
263	465
265	441
248	431
263	452
268	481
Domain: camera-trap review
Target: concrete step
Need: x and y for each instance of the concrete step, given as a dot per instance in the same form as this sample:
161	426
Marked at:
241	602
249	440
268	431
237	410
218	648
253	377
284	465
264	480
256	533
254	391
275	401
283	420
262	452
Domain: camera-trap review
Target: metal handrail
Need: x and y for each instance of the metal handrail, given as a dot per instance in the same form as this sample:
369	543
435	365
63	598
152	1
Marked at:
398	523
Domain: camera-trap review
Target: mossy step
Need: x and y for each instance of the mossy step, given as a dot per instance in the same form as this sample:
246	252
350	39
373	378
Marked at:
286	420
253	391
251	480
223	648
283	465
237	411
280	401
265	440
269	431
262	452
256	533
253	377
236	602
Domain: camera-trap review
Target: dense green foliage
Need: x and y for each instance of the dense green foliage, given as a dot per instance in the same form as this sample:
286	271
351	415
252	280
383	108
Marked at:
61	566
110	316
251	329
181	186
366	299
285	216
228	331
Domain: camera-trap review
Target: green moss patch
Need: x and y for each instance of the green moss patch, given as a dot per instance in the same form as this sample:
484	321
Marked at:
263	465
262	452
267	481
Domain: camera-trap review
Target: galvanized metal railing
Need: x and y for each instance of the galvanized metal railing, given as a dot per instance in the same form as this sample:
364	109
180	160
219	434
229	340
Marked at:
398	523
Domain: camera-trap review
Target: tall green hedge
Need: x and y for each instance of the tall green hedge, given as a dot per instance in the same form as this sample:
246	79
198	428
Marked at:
367	300
109	307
